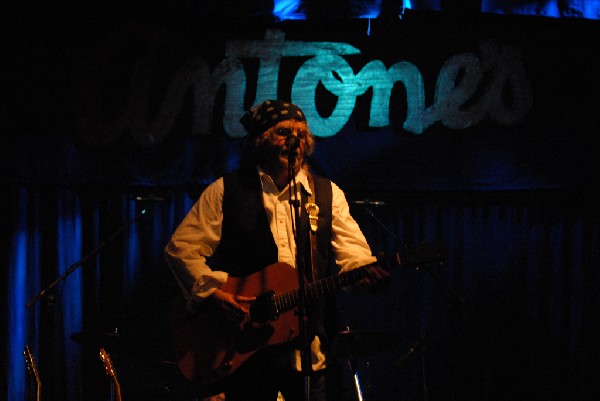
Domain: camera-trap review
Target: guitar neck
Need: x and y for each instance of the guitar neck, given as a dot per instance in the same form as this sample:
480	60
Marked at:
110	372
117	387
33	371
432	252
319	288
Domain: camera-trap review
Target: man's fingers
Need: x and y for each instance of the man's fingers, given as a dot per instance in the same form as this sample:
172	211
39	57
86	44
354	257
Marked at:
244	299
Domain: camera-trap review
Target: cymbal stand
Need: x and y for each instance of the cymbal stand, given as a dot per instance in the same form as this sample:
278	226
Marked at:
354	370
350	345
419	345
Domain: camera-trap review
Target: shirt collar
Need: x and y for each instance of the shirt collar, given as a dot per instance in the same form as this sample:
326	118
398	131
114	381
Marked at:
301	179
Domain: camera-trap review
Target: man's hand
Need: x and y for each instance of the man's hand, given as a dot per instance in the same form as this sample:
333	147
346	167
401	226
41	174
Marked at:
235	307
376	279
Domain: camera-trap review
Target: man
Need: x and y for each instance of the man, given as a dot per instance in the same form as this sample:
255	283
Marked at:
245	221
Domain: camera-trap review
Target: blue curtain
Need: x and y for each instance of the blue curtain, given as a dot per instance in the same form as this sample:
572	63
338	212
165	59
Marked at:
512	313
49	231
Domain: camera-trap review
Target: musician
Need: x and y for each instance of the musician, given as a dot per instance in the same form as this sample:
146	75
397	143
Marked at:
244	221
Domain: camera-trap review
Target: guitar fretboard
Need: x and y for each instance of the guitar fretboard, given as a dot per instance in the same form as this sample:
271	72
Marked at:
313	291
413	257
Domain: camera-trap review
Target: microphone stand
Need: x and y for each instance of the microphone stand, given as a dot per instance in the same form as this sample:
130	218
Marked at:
46	292
305	357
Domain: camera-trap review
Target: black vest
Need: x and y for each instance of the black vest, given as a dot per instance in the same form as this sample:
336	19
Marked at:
247	244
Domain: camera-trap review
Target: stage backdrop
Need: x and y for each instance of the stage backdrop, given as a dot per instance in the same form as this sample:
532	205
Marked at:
480	132
426	102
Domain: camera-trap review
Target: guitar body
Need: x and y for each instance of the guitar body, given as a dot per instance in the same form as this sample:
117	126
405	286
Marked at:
208	348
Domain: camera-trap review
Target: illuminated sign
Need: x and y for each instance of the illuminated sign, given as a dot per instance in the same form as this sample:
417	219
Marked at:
468	88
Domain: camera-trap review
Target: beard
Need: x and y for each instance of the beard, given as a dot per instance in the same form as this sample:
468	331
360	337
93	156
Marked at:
275	158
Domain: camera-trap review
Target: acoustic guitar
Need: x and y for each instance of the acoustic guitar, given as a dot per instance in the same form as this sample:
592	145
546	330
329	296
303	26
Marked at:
208	348
110	372
32	370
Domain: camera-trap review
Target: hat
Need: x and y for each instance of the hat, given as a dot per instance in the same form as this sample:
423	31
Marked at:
268	114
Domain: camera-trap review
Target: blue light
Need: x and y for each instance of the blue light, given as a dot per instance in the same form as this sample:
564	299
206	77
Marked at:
69	245
288	9
17	315
371	12
23	274
571	8
131	261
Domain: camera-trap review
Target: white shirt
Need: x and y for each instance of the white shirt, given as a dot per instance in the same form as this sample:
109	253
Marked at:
199	234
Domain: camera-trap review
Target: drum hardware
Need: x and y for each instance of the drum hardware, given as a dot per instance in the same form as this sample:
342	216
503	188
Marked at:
350	345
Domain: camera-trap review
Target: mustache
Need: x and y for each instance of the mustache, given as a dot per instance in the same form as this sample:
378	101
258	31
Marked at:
272	152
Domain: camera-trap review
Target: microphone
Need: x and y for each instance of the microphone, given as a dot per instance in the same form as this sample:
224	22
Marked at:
149	198
367	202
292	142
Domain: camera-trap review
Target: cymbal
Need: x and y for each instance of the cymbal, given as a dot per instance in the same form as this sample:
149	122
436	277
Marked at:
100	338
351	344
123	343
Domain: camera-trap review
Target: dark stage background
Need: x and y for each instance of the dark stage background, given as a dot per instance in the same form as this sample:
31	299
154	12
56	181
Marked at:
485	138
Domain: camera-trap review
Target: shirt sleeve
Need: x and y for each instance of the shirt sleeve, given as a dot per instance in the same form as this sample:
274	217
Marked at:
348	241
194	240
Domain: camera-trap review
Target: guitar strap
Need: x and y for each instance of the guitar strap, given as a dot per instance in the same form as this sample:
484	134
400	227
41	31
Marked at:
313	218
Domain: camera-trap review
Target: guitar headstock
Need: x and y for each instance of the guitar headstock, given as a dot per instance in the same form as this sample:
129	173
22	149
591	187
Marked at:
110	372
432	252
108	366
31	365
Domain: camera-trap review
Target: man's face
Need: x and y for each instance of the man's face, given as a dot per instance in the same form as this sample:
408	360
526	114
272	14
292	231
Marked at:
273	153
